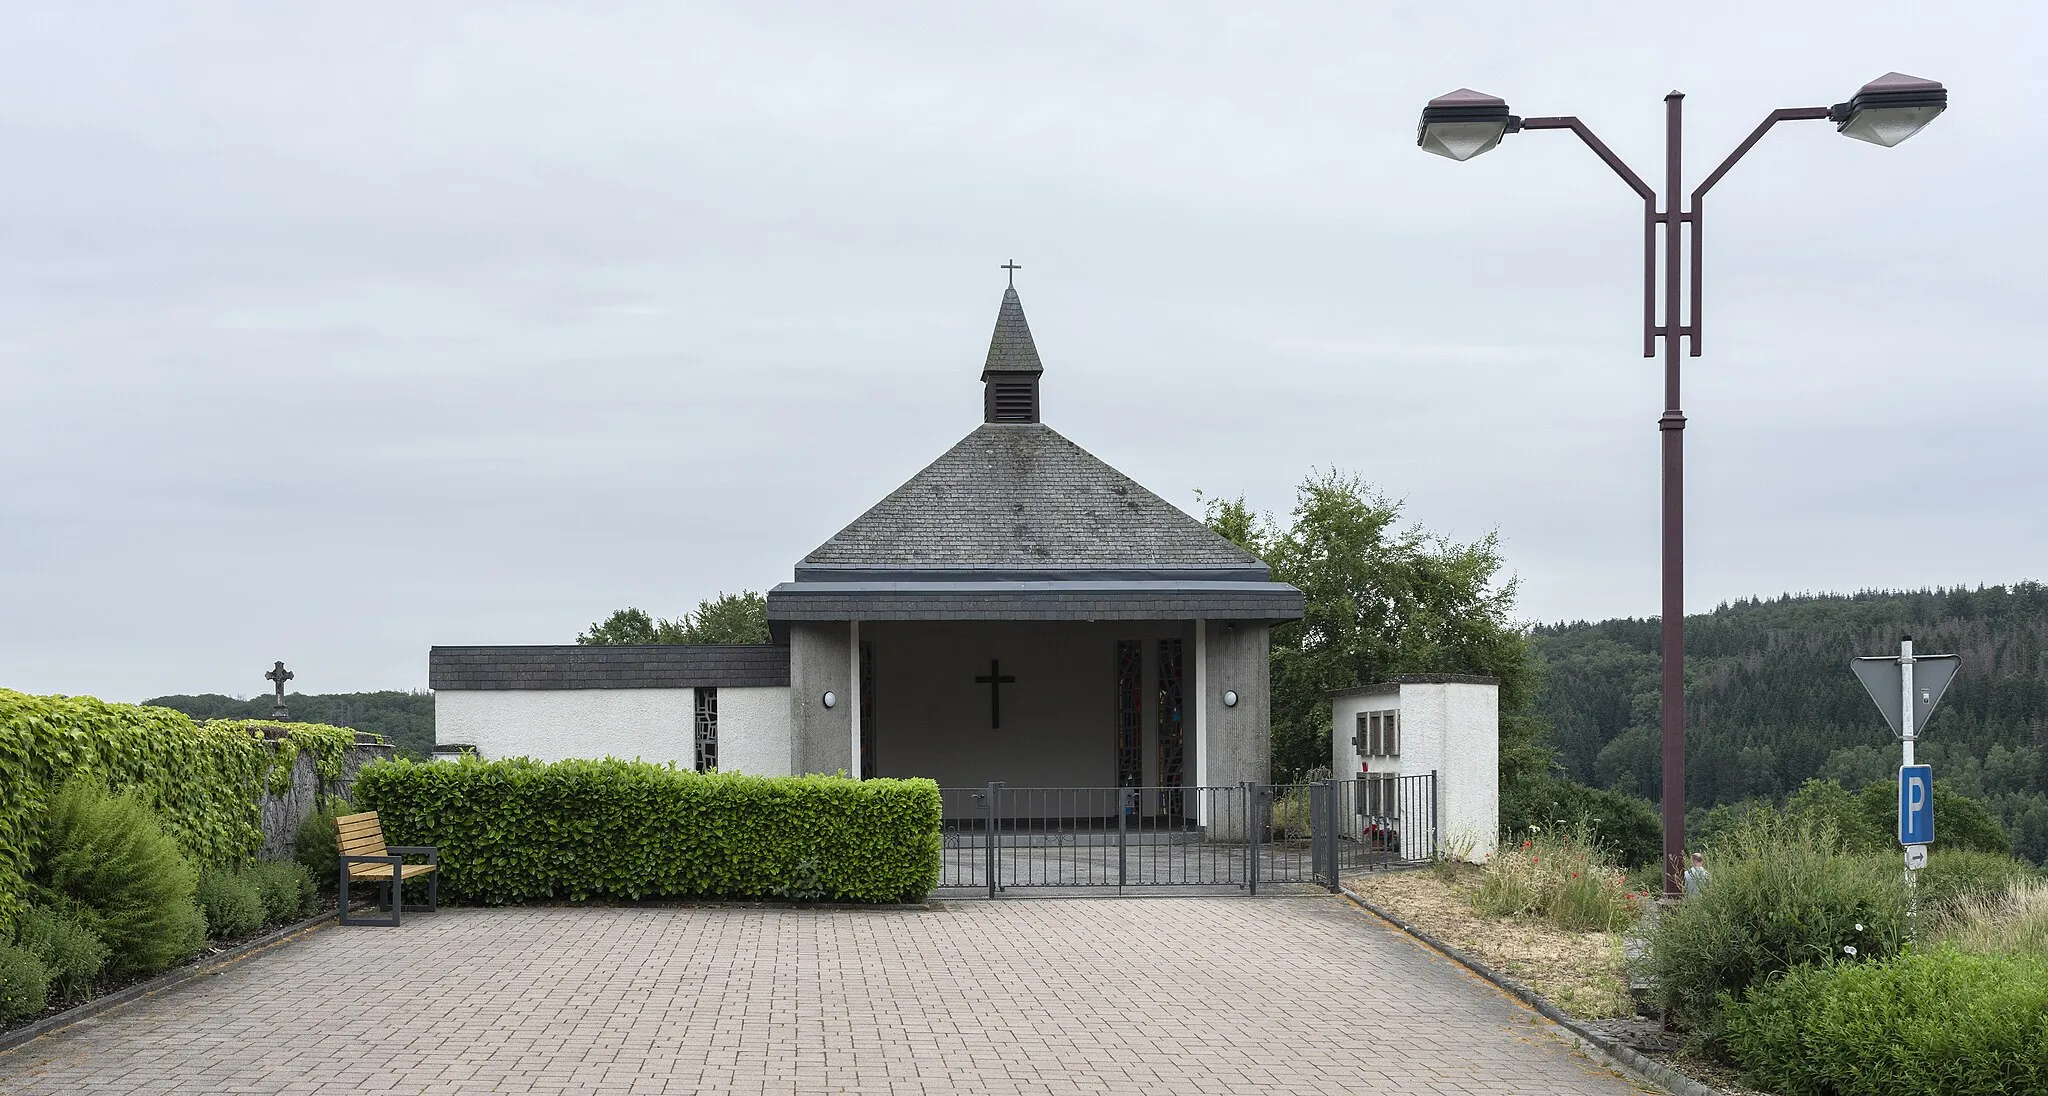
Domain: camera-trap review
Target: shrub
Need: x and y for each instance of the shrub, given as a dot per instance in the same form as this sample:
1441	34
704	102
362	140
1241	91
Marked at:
1960	822
1954	875
317	848
518	830
1627	826
1932	1023
66	946
286	886
1564	877
109	857
1781	894
2013	923
231	903
202	780
24	984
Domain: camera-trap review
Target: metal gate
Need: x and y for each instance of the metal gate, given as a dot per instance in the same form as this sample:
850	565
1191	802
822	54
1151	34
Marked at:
1241	838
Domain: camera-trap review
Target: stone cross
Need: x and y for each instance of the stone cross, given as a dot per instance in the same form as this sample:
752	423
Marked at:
280	675
995	680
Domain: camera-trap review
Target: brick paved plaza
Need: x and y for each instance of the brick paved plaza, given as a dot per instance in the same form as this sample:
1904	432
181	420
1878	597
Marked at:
1151	996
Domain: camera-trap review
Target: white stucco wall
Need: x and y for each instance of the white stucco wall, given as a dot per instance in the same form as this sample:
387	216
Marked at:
753	730
1451	728
648	724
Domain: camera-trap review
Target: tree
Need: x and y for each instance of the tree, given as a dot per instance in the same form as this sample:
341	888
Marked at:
1380	601
727	618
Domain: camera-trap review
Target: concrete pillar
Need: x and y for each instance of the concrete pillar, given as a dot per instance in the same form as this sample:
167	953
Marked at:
821	660
1235	738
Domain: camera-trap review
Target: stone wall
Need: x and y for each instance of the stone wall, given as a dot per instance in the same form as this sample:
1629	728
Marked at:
282	814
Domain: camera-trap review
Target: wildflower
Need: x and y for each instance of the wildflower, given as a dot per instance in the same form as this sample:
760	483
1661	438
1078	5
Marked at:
1859	926
1850	948
1575	875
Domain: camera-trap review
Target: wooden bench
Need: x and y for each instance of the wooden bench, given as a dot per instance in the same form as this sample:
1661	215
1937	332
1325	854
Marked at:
365	858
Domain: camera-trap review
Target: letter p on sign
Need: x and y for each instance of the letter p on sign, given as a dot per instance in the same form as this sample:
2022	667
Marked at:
1916	805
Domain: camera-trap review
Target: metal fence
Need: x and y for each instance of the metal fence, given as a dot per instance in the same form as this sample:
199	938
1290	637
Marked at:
1235	838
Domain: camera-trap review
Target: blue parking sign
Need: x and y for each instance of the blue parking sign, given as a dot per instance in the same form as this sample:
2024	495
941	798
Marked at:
1916	804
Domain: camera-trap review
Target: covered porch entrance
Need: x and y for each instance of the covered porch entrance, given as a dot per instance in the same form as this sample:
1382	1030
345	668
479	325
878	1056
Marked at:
1044	704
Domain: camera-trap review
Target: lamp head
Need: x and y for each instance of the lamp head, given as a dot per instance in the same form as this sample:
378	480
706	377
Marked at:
1890	109
1464	124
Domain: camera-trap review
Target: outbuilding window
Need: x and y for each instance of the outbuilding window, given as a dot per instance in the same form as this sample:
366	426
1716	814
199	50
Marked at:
1379	734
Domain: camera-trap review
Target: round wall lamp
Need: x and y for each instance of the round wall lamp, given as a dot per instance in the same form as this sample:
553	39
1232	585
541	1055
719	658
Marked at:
831	698
1230	698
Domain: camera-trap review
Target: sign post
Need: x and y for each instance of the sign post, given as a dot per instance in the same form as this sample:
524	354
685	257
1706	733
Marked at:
1906	690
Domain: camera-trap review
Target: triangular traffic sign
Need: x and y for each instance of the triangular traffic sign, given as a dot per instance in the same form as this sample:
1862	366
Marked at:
1881	678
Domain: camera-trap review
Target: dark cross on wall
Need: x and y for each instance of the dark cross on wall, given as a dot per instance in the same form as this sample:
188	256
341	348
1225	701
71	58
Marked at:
995	680
280	675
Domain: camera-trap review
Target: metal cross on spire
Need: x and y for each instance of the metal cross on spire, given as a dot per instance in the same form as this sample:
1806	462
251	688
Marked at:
1013	268
280	675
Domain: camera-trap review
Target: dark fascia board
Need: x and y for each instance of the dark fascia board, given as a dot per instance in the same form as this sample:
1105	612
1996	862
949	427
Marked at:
1042	600
660	666
1412	679
861	573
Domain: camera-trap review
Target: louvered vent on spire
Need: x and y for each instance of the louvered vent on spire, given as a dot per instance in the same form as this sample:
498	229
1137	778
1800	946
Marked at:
1010	376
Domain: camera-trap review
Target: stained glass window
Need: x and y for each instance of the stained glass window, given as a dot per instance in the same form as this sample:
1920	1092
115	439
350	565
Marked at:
1130	706
1172	740
707	730
867	711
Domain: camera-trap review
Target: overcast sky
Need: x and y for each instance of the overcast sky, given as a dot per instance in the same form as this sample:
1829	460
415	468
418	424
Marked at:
329	334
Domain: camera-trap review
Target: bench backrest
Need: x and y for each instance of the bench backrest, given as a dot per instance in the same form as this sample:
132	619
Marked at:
360	834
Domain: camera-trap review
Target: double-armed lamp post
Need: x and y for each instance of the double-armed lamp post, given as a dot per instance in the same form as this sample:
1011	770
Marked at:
1465	123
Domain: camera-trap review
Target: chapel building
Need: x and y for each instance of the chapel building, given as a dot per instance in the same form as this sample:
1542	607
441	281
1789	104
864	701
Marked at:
1018	611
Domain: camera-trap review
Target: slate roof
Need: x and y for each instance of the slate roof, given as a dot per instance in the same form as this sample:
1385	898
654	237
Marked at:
667	666
1010	349
1020	495
1035	600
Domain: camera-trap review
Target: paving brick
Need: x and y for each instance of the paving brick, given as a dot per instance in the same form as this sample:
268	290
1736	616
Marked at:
1181	995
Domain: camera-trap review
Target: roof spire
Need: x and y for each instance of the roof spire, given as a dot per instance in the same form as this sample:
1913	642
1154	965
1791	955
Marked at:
1010	349
1010	376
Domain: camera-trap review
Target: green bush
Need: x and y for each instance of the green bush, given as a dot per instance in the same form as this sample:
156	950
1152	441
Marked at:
1955	875
202	780
1932	1023
1781	894
287	888
1628	827
1960	822
521	831
232	905
316	846
110	859
24	984
66	946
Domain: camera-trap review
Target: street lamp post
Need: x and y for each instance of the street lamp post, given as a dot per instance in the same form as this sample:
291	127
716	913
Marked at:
1465	123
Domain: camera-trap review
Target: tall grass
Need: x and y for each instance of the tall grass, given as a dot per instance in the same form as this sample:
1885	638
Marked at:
1564	876
2013	923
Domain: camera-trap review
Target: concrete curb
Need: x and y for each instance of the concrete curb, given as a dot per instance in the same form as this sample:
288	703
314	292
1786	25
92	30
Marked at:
1624	1058
70	1016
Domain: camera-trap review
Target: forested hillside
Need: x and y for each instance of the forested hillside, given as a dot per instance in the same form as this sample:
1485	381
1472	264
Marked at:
1771	701
406	719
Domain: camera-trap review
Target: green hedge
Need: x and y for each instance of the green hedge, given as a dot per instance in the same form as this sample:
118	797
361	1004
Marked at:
1932	1023
204	781
522	831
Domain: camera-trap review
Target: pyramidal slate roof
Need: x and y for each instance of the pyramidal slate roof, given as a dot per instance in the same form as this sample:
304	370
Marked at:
1010	349
1021	496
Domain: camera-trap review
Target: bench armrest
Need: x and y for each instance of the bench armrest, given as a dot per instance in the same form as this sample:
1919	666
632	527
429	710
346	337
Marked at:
431	852
354	858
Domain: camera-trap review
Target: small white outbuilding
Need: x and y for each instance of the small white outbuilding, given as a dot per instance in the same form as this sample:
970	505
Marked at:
1423	743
